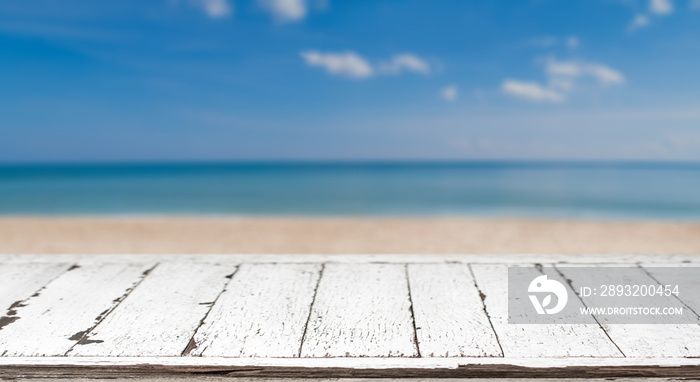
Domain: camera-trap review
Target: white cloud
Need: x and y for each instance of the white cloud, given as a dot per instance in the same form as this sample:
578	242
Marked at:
572	42
562	77
661	7
695	5
657	8
285	10
449	93
571	70
531	91
346	64
605	74
352	65
564	69
215	9
405	62
562	84
639	21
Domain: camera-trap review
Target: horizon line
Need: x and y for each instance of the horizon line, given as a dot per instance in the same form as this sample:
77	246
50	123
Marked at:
321	162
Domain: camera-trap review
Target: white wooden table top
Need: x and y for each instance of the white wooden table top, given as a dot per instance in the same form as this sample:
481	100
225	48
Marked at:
277	315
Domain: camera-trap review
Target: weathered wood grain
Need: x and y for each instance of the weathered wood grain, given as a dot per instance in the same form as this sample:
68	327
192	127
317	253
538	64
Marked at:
193	367
536	340
449	314
262	313
302	378
668	275
656	340
354	309
195	378
350	362
361	310
20	281
642	340
52	322
161	315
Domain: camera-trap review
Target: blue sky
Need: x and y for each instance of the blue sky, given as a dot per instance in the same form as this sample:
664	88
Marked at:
160	80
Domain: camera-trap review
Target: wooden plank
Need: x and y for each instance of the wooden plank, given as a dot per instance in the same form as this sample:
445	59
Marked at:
361	310
349	362
533	340
449	314
262	313
52	322
656	340
301	378
218	368
20	281
160	316
667	275
642	340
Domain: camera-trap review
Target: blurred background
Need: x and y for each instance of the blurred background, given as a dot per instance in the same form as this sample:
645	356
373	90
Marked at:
349	126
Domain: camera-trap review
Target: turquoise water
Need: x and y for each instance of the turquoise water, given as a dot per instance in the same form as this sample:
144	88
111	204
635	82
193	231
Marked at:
596	191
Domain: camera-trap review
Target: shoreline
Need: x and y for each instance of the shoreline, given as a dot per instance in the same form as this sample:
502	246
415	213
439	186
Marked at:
234	234
330	217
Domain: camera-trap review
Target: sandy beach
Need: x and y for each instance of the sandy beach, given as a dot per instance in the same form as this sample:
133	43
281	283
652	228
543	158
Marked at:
277	235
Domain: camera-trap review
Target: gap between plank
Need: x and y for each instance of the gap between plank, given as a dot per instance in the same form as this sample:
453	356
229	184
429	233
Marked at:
110	310
311	308
483	305
675	295
410	308
568	281
192	344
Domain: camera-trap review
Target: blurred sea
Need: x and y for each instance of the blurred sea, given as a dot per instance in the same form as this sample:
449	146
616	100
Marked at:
507	189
